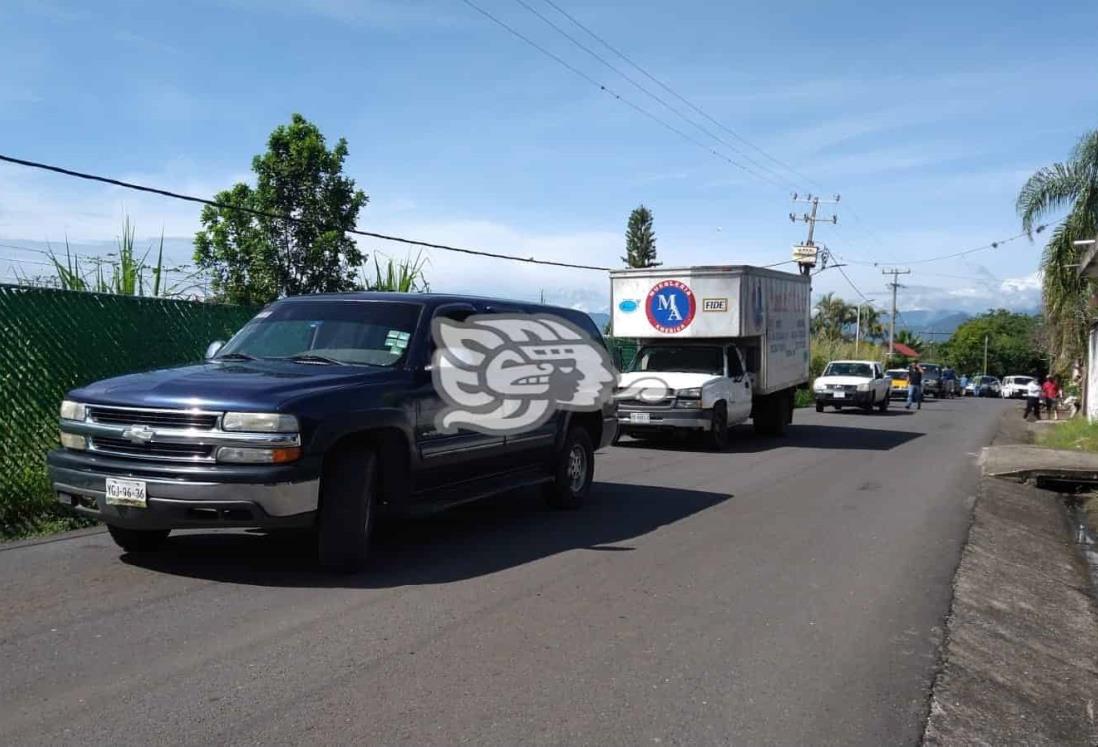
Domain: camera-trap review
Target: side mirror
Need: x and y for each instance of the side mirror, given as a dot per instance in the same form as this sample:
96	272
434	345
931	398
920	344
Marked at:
213	347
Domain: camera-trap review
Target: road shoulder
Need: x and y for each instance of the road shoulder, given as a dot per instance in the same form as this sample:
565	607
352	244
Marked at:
1020	660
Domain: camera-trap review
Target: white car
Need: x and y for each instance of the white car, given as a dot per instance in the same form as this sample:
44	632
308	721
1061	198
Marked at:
1014	387
852	384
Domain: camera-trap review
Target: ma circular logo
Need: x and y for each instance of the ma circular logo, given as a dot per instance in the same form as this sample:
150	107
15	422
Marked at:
670	306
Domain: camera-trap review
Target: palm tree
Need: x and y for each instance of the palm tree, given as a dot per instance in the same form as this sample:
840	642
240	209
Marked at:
872	326
832	316
912	340
1066	294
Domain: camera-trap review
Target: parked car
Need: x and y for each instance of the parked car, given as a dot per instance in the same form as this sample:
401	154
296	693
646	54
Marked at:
1014	387
987	386
899	386
852	384
951	387
320	413
932	379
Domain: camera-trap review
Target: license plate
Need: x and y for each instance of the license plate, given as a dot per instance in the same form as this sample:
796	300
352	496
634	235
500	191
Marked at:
838	395
639	417
126	493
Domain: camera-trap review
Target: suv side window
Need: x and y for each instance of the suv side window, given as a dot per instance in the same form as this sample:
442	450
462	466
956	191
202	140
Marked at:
457	312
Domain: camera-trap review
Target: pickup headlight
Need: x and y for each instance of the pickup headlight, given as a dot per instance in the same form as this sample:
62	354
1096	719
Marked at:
259	422
248	455
864	387
73	410
694	393
819	386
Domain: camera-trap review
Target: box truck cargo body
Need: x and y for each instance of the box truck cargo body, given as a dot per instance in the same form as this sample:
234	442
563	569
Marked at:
739	334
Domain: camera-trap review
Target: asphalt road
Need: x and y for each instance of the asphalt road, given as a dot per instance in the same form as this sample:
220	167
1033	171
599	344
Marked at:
790	591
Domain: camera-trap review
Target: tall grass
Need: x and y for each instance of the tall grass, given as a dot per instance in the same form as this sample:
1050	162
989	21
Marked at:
125	273
403	276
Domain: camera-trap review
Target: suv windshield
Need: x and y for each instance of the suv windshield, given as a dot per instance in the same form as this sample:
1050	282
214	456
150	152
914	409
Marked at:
929	369
849	369
680	359
372	333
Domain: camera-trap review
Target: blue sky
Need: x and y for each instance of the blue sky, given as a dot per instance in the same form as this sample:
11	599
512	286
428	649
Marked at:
926	117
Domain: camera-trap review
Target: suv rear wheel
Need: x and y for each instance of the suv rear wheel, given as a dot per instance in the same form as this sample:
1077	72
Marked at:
574	469
138	540
348	490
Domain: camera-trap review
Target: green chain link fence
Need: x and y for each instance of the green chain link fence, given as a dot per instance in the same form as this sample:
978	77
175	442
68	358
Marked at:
52	341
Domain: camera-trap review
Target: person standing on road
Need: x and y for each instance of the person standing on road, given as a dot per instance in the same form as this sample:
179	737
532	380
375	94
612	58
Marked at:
1050	392
964	385
914	386
1033	400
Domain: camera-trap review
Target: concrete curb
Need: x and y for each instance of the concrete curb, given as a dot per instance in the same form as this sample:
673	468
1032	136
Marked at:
1020	657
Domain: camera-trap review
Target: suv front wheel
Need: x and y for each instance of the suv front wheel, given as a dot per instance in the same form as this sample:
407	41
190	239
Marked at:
573	471
348	491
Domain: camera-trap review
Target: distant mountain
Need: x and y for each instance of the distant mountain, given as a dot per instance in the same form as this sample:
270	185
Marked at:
601	319
935	325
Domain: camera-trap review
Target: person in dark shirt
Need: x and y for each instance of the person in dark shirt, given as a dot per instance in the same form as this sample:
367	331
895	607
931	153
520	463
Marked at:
914	386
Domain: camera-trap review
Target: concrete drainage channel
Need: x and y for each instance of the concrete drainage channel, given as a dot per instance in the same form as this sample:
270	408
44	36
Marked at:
1020	659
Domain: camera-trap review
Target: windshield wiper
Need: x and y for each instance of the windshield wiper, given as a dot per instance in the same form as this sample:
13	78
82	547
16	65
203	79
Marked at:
235	357
313	358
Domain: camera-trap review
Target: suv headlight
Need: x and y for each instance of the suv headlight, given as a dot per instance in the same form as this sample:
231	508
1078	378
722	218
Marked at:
259	422
73	410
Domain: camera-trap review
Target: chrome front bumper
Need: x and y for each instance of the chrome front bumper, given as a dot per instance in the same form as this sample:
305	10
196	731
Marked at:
181	504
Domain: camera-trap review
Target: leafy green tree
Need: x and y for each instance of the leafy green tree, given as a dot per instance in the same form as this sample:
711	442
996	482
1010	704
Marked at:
640	240
1066	295
1013	345
299	244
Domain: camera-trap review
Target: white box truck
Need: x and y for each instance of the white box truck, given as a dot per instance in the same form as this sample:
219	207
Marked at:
715	347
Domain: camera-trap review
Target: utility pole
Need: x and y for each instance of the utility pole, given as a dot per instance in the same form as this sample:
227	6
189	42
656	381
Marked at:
858	330
805	254
985	355
895	285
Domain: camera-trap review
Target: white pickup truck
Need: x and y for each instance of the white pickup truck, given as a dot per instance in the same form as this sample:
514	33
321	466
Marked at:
852	384
717	345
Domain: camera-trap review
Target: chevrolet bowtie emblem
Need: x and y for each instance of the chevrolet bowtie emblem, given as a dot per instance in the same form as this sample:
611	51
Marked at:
138	434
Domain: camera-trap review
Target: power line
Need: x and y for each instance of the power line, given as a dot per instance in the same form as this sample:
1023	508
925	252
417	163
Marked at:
964	252
674	110
290	218
603	87
675	93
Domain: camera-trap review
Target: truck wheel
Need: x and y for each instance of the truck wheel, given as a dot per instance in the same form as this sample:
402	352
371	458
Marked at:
883	406
138	540
718	427
819	407
348	489
574	470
